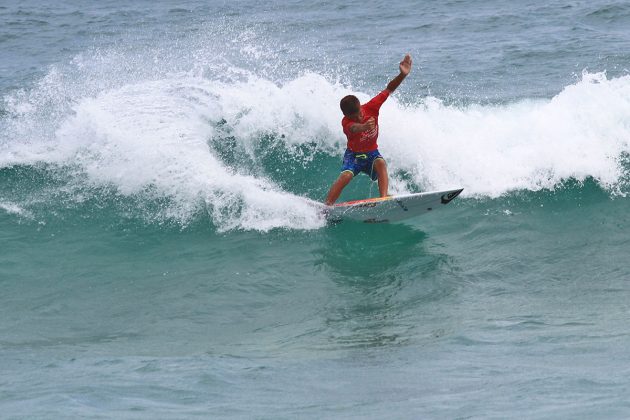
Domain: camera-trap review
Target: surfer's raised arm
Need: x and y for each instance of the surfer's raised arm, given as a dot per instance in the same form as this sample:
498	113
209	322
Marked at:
405	68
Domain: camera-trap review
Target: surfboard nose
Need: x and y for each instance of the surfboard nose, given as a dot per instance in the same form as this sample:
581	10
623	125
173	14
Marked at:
449	196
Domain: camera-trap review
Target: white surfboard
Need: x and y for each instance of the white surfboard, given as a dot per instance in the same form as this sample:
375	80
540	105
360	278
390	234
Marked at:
392	208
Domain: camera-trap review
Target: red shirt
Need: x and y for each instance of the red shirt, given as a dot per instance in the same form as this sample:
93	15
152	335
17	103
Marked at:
365	141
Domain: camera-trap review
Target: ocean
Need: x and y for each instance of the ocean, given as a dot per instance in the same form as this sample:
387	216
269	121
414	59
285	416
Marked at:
158	258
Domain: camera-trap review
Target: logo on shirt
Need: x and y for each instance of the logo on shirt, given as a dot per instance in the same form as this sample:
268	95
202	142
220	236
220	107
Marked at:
370	135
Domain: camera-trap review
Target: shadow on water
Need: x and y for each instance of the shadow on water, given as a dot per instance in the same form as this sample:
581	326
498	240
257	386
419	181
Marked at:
387	277
363	251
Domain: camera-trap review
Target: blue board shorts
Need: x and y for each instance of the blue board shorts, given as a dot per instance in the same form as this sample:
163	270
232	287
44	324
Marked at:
357	162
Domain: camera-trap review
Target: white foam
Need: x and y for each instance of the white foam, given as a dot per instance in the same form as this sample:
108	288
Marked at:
154	135
12	208
491	150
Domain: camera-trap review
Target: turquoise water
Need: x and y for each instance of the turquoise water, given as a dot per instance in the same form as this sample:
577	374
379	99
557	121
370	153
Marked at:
157	258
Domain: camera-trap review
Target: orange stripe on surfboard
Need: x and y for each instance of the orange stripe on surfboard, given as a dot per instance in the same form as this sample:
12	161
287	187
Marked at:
367	200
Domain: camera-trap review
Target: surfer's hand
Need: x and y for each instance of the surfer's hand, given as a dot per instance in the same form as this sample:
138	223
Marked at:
405	65
369	124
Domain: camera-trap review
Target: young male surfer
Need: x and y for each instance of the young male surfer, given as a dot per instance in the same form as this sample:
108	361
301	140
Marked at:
360	125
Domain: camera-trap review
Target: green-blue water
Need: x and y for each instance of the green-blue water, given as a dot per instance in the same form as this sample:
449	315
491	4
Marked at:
157	258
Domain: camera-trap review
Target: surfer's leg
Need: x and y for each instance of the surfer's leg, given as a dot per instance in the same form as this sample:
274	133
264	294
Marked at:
380	167
335	191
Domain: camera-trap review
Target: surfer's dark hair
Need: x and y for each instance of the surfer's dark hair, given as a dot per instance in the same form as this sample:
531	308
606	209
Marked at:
350	105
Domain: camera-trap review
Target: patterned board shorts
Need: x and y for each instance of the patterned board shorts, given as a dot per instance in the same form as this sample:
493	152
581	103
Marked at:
357	162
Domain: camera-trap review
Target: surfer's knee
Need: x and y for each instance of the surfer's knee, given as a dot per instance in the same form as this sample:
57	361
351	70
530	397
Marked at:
380	166
345	177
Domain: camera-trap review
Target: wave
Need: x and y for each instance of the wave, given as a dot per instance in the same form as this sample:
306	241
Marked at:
202	140
583	132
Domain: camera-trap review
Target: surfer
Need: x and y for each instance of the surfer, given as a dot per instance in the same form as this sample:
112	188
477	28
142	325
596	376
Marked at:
360	125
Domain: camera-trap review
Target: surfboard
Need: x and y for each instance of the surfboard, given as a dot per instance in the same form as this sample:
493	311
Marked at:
391	209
